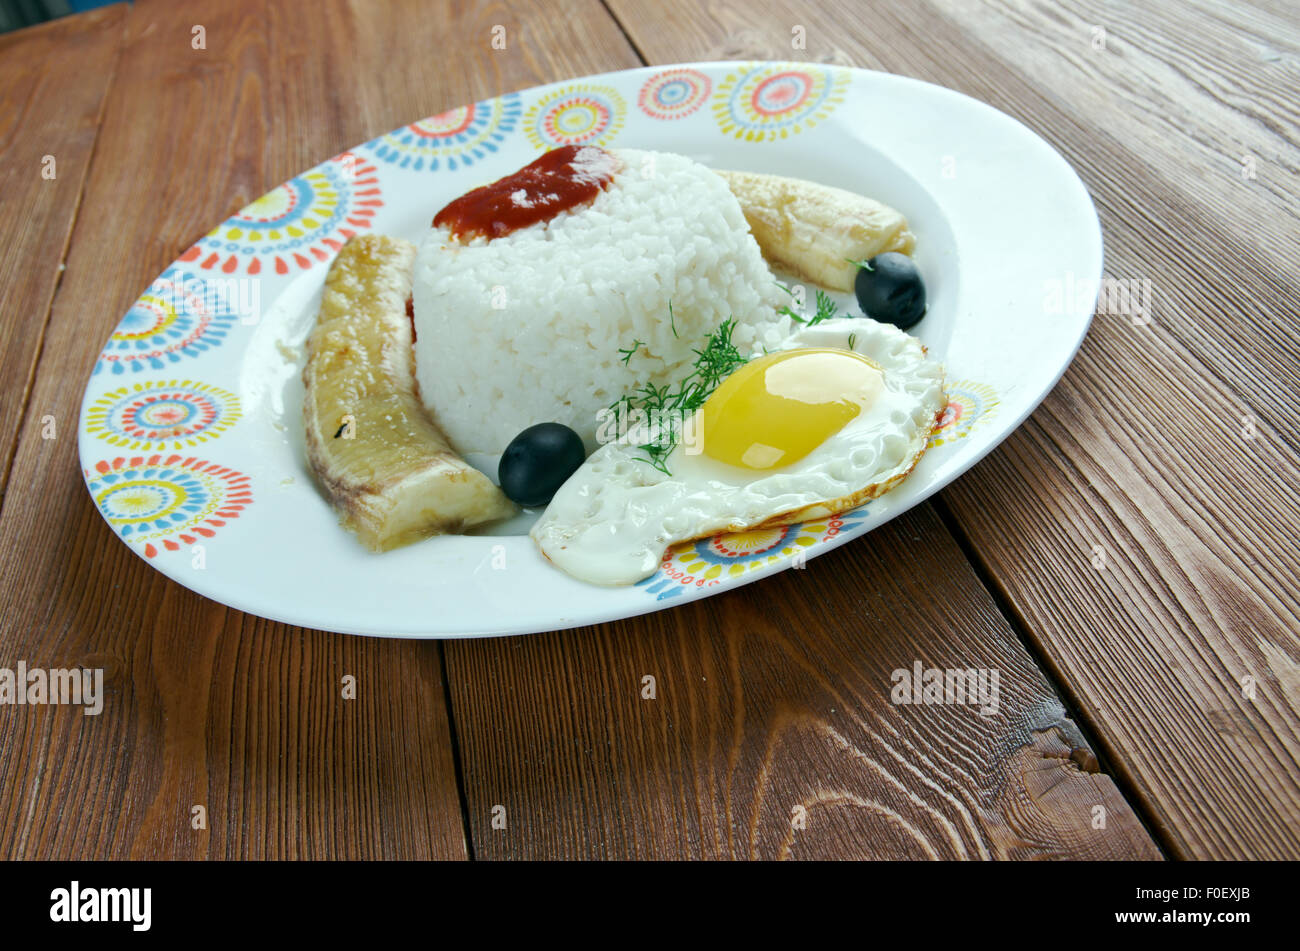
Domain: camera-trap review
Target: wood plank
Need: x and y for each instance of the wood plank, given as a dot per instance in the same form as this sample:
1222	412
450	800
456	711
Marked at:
1141	448
776	698
207	705
1202	549
52	83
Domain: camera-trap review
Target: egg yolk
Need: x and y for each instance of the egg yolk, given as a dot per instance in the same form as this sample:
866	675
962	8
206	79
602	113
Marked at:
778	408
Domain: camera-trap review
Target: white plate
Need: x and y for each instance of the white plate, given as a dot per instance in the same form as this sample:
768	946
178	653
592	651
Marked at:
190	436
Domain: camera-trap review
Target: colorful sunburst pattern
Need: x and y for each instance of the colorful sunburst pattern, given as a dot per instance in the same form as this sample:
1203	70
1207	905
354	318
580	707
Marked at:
179	316
298	224
452	139
762	103
575	115
167	501
970	404
168	414
710	562
674	93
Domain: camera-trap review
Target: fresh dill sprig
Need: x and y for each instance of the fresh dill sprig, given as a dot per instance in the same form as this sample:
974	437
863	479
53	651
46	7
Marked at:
826	308
627	354
672	320
665	408
787	310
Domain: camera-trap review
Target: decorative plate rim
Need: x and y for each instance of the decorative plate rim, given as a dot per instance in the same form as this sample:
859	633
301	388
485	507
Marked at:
173	463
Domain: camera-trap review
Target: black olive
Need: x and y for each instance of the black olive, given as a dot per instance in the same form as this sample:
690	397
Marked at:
890	289
538	461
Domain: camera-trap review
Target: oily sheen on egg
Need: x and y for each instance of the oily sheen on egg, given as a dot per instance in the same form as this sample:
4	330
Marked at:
779	407
612	521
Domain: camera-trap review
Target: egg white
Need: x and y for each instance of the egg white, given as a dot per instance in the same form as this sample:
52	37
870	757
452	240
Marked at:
612	521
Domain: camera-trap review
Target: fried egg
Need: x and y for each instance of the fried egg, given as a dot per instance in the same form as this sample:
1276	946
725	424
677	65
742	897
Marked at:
837	414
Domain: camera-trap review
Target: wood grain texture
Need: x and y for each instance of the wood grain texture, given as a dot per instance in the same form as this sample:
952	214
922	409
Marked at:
1199	533
52	84
1144	448
207	705
773	702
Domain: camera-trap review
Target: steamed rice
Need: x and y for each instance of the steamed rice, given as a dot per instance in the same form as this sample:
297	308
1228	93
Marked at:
527	328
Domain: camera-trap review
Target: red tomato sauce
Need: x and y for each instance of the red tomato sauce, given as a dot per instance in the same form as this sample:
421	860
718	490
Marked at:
559	180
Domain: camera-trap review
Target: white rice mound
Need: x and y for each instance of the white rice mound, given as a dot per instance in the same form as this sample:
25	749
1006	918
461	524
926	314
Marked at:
526	328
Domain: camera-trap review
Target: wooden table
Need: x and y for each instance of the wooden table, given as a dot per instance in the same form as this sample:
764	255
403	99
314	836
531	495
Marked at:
1128	558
